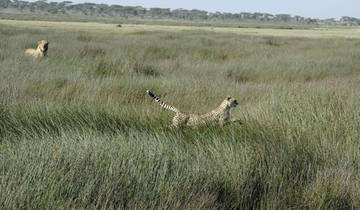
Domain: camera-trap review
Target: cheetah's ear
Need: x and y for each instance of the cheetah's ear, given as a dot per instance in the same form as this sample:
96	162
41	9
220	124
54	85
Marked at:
228	98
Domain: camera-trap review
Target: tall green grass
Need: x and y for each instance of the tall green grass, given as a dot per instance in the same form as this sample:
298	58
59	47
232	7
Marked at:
77	130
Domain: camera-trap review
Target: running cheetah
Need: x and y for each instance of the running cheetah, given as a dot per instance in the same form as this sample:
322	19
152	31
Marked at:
218	116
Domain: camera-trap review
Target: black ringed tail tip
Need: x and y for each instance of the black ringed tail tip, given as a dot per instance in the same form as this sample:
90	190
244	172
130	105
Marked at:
161	103
150	93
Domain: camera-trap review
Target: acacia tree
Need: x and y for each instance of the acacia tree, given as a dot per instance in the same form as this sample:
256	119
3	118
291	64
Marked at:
5	3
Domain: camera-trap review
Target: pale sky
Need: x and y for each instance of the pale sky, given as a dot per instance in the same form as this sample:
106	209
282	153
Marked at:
306	8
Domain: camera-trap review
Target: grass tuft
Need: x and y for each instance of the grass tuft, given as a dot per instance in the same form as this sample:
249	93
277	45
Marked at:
144	69
92	52
84	38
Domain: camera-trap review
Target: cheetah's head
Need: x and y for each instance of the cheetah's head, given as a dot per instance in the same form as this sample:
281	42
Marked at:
43	45
231	102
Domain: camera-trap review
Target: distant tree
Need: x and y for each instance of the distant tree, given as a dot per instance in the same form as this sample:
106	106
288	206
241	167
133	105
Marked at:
227	16
181	14
246	16
268	17
258	16
159	12
141	11
310	21
198	14
116	10
102	9
283	17
299	19
216	16
5	3
346	20
53	8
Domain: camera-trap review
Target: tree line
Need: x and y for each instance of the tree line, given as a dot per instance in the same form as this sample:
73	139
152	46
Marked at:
92	9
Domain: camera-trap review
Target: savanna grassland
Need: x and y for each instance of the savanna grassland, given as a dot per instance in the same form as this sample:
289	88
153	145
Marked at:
78	132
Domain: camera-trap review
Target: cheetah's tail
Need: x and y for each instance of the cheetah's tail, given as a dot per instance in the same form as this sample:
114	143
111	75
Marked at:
162	104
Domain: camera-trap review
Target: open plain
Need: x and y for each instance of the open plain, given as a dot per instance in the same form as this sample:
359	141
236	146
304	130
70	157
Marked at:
78	131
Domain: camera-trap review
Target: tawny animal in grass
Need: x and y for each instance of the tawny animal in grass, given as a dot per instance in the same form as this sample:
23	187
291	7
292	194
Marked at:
218	116
40	51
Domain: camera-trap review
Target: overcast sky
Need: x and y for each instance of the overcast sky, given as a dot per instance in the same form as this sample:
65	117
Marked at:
307	8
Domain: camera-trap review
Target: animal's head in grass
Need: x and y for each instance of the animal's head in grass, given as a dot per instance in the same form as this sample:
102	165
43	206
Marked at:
218	116
43	45
230	102
40	51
